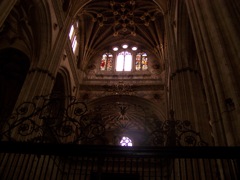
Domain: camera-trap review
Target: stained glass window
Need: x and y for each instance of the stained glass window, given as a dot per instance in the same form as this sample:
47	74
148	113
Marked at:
124	61
107	61
126	141
124	58
141	61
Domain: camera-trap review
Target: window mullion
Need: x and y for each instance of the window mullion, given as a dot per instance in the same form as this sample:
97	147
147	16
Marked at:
133	61
107	61
124	57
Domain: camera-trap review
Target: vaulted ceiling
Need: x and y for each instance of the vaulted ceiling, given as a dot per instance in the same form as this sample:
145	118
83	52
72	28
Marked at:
106	23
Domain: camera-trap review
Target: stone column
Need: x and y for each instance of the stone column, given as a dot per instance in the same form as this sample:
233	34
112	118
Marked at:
40	80
5	8
216	27
187	92
41	76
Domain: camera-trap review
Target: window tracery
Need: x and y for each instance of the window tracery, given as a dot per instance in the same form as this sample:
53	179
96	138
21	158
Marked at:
126	141
141	61
124	59
106	62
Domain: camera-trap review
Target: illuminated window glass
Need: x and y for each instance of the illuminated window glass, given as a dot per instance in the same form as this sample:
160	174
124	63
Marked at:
141	61
73	36
74	44
125	58
71	32
106	63
125	141
124	61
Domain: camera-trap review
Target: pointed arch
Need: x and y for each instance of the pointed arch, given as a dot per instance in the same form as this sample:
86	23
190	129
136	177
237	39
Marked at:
63	82
123	116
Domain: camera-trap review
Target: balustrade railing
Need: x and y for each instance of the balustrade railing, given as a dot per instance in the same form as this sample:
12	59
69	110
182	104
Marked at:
72	161
44	139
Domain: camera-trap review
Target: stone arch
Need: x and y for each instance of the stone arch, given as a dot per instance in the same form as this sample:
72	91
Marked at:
25	29
118	116
127	98
61	89
59	85
42	34
63	81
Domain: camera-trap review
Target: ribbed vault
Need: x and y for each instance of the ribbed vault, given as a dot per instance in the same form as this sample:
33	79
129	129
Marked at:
104	23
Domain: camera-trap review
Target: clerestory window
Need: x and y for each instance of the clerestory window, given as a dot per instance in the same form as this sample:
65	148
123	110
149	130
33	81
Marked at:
124	59
141	61
73	36
107	61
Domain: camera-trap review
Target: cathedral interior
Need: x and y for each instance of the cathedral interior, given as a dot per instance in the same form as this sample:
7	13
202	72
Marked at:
120	82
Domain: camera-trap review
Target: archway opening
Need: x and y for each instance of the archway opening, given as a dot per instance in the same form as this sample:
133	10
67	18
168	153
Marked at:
14	66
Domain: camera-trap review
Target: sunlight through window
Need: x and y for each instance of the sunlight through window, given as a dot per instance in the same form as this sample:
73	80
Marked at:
124	61
125	141
124	58
71	32
120	62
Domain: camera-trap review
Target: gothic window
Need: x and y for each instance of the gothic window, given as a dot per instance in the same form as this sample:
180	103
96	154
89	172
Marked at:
106	63
71	32
124	61
73	36
74	44
141	61
126	141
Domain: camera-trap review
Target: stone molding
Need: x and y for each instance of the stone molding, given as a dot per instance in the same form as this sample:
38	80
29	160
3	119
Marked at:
44	71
